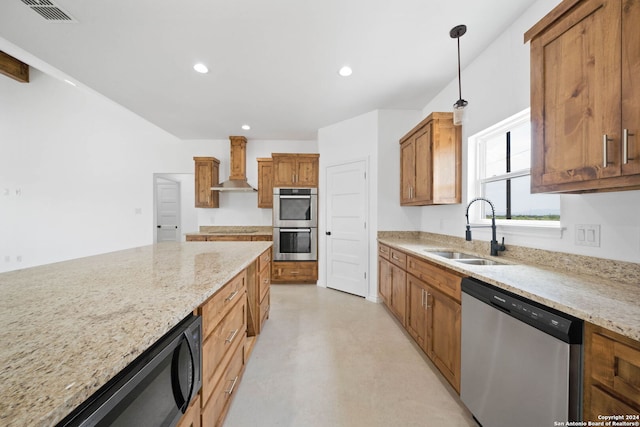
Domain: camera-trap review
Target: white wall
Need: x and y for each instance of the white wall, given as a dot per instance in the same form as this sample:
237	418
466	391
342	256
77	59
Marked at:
76	168
373	137
496	84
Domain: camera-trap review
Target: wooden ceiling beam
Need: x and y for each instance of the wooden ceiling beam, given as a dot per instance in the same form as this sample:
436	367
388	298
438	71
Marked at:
14	68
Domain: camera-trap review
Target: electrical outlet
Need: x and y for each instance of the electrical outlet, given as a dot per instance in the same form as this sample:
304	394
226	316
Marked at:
588	235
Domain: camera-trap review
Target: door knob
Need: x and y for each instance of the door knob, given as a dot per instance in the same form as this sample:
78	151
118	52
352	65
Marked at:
328	233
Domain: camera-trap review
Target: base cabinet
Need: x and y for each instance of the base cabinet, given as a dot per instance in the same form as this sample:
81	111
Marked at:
426	300
191	417
294	271
611	375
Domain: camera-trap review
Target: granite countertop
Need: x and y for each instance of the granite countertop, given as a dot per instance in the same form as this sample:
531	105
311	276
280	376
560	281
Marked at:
235	230
609	300
68	327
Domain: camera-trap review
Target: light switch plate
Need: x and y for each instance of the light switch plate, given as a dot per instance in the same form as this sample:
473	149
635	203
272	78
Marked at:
588	235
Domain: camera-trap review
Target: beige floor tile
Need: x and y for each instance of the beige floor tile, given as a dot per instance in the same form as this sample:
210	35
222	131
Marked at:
326	358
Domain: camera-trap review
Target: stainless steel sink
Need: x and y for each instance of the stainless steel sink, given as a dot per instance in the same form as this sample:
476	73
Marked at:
464	258
479	261
451	254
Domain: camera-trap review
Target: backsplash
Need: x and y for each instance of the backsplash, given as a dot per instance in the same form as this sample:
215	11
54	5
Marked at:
626	272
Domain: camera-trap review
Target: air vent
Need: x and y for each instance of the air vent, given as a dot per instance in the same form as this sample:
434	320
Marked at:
49	11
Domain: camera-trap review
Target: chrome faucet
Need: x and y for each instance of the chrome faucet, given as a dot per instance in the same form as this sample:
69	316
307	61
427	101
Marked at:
495	246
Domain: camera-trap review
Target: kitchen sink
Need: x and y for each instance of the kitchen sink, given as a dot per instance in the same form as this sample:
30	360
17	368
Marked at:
452	255
464	258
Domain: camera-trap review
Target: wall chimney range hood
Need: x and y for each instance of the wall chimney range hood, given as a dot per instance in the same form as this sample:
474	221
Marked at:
238	167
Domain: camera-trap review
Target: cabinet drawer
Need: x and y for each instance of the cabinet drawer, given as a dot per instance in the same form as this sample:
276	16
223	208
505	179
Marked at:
261	238
216	349
264	282
383	251
216	408
294	272
440	279
264	260
196	238
220	304
616	366
398	258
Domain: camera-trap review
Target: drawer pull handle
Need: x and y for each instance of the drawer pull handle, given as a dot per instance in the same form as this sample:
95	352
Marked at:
232	336
428	306
395	257
232	296
233	385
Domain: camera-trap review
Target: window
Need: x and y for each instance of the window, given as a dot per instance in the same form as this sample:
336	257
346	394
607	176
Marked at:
503	158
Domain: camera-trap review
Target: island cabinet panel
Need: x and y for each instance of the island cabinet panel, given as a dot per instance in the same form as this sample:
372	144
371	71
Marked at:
585	97
191	417
214	412
426	300
612	374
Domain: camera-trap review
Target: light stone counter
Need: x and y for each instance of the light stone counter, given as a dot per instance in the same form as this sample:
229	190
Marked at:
67	328
610	299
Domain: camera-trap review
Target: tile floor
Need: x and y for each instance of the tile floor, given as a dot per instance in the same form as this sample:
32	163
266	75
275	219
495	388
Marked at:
326	358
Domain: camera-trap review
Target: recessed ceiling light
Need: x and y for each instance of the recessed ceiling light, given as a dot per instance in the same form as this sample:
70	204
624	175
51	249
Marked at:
201	68
345	71
246	127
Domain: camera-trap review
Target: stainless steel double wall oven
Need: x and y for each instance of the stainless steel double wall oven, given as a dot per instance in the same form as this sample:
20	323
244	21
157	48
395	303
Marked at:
295	224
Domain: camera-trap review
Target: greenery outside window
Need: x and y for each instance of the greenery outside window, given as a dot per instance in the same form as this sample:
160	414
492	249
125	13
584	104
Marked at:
502	158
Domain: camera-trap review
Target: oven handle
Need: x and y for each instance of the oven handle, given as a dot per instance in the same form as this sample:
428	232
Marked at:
180	400
295	230
294	197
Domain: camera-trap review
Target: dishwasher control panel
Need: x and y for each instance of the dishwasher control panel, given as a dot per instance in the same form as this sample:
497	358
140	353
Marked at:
561	325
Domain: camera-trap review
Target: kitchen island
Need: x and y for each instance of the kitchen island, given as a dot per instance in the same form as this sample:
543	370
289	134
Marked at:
69	327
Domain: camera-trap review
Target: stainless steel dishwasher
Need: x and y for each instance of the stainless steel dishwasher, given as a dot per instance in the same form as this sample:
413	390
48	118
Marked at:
521	361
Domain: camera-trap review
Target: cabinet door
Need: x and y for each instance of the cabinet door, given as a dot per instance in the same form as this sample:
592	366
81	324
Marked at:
206	176
423	166
307	172
443	335
631	85
575	98
384	280
265	183
416	310
399	293
446	159
407	172
284	170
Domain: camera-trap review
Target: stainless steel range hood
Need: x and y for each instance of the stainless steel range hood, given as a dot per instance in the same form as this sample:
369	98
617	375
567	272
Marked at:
238	167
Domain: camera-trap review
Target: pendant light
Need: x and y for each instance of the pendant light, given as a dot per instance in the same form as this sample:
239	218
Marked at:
458	108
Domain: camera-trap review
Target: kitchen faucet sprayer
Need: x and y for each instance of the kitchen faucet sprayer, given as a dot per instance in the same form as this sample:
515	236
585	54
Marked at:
495	246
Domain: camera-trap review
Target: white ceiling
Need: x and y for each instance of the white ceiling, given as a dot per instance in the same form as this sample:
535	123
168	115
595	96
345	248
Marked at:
273	63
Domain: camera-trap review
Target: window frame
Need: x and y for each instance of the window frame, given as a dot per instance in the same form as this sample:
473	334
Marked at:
477	160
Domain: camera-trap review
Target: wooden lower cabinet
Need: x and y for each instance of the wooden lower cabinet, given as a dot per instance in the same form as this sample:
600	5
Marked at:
611	374
426	299
228	238
216	408
294	272
191	417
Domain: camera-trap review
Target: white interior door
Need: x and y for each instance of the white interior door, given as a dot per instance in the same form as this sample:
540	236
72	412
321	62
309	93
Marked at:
347	236
168	211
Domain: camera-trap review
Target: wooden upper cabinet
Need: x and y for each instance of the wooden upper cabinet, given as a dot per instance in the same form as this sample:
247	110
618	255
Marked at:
265	182
585	97
295	170
430	162
206	175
